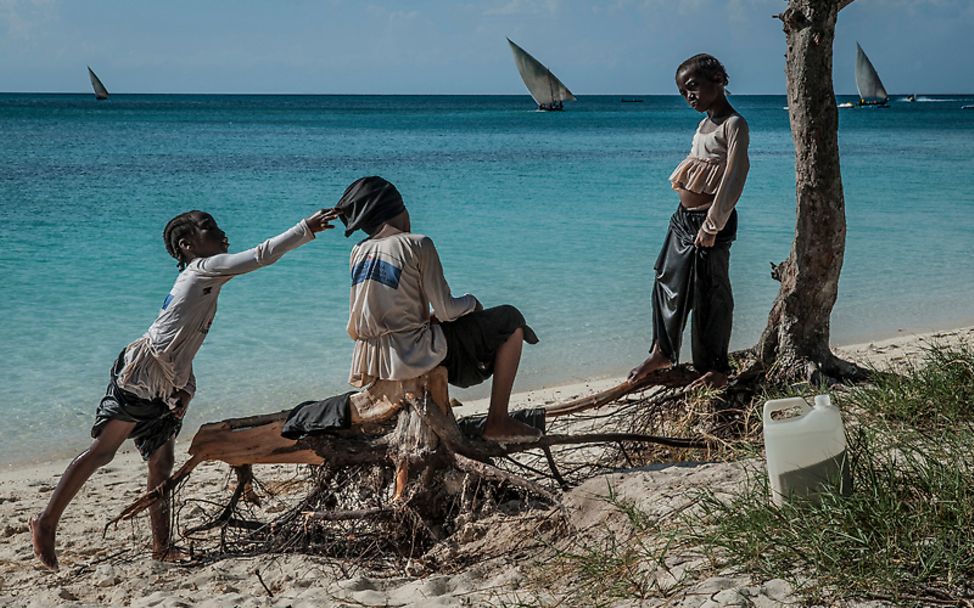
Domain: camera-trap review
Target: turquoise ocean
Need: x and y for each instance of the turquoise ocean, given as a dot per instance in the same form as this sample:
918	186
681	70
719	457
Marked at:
560	214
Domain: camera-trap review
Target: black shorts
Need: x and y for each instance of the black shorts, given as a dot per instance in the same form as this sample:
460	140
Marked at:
473	339
154	422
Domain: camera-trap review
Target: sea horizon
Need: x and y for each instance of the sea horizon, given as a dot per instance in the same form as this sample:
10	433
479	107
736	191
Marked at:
560	214
86	93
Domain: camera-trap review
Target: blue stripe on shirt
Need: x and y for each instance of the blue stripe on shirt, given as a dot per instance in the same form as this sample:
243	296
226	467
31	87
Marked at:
374	269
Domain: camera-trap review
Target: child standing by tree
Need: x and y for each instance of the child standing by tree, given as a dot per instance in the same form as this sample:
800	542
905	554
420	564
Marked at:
396	279
692	267
152	382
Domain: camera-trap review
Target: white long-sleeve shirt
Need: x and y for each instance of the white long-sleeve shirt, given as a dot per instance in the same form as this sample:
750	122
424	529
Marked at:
161	362
395	281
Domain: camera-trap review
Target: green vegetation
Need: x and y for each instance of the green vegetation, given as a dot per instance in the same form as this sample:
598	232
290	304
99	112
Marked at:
607	565
934	393
906	533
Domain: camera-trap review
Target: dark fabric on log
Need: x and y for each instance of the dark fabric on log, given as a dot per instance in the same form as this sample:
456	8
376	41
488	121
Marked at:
473	339
367	203
473	426
154	422
694	278
317	417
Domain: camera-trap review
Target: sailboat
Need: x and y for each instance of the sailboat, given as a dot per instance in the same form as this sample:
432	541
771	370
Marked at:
100	91
871	89
548	92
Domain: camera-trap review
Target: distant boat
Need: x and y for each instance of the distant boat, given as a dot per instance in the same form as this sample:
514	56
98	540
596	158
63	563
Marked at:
100	91
911	98
631	100
548	92
871	89
967	107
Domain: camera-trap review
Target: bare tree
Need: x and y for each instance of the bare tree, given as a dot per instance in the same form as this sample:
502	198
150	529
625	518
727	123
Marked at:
796	339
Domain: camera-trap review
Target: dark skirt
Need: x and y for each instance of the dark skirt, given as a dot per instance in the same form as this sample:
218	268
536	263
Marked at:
695	279
154	422
472	342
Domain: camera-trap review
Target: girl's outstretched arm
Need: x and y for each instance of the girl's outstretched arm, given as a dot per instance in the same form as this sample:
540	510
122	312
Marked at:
267	252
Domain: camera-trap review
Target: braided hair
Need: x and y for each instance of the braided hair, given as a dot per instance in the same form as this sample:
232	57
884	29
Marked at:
179	227
707	65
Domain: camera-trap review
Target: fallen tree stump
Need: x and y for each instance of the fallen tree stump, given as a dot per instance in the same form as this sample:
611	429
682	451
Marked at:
405	441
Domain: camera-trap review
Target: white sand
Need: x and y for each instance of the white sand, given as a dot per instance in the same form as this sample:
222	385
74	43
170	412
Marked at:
116	570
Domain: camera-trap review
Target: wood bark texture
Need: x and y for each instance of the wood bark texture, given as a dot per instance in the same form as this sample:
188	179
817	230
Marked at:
799	321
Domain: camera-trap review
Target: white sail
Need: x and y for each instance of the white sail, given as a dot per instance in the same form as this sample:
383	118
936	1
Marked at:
544	86
100	91
867	80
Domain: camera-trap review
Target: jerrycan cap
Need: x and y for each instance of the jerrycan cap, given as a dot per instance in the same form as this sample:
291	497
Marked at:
823	401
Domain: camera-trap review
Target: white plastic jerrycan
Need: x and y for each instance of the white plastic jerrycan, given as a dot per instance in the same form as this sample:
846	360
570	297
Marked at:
807	451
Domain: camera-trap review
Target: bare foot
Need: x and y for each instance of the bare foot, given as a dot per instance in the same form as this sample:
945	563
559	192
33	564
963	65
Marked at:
710	380
509	430
171	554
653	362
42	538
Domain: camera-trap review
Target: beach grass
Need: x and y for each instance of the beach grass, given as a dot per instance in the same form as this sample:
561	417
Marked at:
906	531
933	392
605	564
904	535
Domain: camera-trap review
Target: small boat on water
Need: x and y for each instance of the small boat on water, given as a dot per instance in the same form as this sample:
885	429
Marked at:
871	90
548	92
910	98
101	93
631	100
968	107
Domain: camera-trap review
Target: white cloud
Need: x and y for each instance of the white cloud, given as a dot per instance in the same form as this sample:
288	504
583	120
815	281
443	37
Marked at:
393	15
524	7
23	17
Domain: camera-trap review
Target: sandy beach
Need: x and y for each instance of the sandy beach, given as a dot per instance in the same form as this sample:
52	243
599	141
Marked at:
115	570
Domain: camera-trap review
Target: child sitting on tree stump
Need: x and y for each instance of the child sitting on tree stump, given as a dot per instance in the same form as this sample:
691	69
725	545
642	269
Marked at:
396	279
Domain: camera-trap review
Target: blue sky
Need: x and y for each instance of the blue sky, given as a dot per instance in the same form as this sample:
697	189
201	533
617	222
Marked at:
439	46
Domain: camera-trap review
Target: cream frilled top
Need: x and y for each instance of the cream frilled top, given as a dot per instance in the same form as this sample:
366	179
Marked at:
717	165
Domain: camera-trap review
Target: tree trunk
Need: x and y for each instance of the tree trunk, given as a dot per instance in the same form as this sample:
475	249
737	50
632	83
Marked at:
796	338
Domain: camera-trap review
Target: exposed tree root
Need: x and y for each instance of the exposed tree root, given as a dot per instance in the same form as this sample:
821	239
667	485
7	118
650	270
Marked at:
396	484
402	479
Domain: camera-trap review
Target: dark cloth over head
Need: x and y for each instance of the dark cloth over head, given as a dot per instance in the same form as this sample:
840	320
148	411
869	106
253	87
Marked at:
367	203
154	422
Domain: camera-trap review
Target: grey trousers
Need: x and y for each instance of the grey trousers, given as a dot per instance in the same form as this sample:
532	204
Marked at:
690	278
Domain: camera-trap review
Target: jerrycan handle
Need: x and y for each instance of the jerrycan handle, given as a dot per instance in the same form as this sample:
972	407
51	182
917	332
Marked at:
777	405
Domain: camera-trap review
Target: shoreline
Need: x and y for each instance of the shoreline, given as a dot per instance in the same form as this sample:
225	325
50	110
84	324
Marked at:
878	351
111	566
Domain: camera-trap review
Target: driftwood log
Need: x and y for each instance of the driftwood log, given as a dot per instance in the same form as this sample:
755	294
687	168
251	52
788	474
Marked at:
409	425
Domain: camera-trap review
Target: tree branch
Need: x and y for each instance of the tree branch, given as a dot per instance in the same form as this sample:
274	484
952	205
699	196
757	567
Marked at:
348	515
672	377
482	469
551	440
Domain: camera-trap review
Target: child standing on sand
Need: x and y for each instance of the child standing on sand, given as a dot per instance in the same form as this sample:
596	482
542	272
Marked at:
396	278
692	267
152	382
